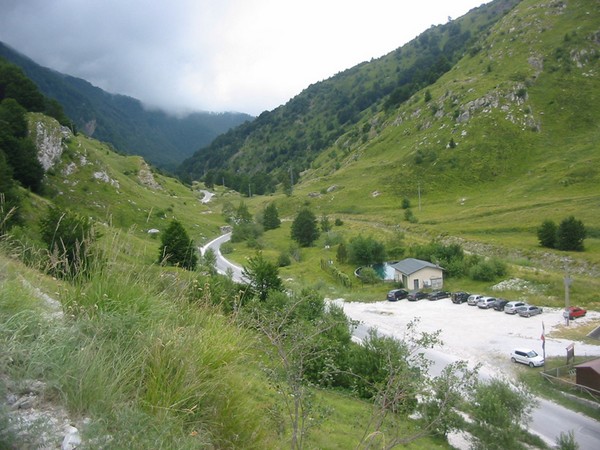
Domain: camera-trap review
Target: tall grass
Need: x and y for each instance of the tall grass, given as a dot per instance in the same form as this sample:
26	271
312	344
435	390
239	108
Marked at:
133	353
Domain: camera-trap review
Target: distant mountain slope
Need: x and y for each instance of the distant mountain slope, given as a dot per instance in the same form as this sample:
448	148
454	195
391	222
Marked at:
508	137
122	121
279	144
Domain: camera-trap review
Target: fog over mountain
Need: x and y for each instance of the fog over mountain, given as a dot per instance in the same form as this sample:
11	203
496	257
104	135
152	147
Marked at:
212	55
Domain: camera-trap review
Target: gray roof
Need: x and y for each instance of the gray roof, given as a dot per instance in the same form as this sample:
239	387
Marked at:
409	266
593	364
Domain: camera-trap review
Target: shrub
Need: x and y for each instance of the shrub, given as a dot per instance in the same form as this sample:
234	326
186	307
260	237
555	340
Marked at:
487	270
369	275
246	231
69	238
284	260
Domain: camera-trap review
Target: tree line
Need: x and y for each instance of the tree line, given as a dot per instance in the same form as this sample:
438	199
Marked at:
19	165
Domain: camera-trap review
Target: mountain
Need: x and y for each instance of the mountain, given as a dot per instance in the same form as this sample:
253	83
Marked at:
162	139
287	140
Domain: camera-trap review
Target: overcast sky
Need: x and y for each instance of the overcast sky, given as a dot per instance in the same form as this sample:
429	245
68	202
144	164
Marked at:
214	55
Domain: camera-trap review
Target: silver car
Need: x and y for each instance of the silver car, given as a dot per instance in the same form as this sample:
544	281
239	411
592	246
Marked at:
529	310
511	307
473	299
486	302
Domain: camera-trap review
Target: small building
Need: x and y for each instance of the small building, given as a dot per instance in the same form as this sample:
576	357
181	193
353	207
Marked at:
588	374
418	274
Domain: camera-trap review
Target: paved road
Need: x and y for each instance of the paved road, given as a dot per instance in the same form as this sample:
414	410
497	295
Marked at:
223	265
548	418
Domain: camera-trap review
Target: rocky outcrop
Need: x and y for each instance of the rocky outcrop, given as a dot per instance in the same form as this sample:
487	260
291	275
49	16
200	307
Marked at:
49	137
147	179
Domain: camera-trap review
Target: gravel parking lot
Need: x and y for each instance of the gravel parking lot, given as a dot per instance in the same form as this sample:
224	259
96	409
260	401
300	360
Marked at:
484	336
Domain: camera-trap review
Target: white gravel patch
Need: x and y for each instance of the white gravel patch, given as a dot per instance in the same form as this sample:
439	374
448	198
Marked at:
483	336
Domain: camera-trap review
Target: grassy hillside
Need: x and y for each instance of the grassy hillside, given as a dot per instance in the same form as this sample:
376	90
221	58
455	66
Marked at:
134	354
159	357
509	136
289	138
506	139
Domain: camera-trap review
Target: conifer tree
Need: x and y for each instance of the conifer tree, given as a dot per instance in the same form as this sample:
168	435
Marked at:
271	217
570	235
177	249
304	228
546	234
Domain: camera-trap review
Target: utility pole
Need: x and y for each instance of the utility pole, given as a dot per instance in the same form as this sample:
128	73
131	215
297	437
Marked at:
419	188
568	282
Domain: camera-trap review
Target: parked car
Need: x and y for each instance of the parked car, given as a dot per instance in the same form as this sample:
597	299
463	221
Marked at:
573	312
437	295
473	299
500	304
526	356
460	297
528	311
397	294
511	307
486	302
416	295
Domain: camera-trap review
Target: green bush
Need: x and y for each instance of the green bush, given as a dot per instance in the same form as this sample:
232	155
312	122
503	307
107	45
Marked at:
69	239
369	275
487	270
284	260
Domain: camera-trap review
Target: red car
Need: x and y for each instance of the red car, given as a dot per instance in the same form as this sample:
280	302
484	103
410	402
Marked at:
575	311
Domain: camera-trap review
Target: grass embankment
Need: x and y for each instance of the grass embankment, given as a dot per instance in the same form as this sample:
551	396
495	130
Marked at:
133	353
144	353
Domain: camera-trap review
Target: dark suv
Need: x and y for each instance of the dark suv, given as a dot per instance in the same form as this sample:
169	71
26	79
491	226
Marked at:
396	294
460	297
500	304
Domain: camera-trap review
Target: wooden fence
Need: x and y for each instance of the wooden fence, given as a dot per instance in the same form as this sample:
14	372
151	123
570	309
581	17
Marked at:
565	376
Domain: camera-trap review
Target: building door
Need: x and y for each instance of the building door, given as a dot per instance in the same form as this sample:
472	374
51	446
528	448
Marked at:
416	283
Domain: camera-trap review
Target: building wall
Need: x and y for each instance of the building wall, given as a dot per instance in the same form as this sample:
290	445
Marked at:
428	277
586	376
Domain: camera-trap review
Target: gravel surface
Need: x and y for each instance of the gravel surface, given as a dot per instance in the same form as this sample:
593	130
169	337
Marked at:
484	336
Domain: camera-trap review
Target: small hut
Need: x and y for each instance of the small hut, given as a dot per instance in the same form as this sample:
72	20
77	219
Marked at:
588	374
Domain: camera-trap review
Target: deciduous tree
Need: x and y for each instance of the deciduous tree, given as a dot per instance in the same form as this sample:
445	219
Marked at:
262	275
365	251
